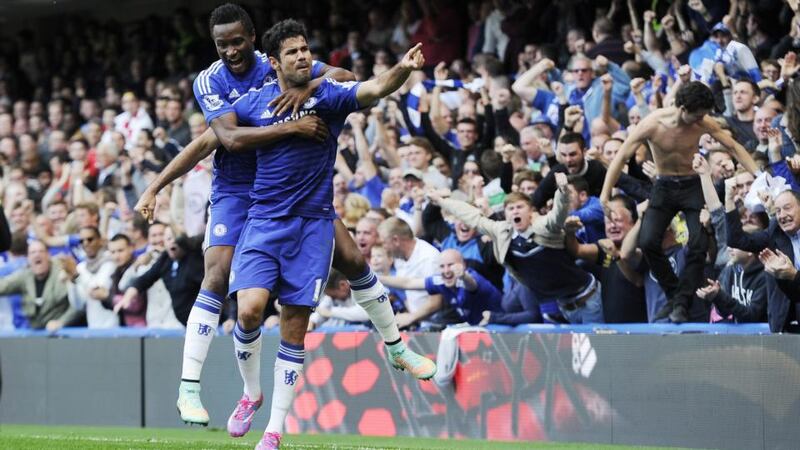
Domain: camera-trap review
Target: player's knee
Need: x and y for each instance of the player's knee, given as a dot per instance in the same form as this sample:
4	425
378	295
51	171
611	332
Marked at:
217	273
249	316
217	269
216	281
249	320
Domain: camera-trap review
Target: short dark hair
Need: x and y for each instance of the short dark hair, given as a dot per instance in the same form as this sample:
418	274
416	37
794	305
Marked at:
58	202
188	244
273	38
121	237
795	194
628	202
612	139
517	197
491	164
93	229
580	184
572	138
230	13
79	140
91	208
770	62
753	86
424	143
468	120
694	96
19	243
334	278
382	211
140	223
526	175
171	100
603	26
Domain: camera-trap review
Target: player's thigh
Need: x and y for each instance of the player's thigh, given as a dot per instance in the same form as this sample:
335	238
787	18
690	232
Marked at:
655	222
227	215
256	261
305	264
347	258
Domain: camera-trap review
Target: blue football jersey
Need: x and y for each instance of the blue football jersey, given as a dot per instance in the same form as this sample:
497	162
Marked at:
215	90
294	176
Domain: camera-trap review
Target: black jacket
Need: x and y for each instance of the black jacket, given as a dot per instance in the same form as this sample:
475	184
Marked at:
457	157
595	175
5	232
781	313
182	279
744	293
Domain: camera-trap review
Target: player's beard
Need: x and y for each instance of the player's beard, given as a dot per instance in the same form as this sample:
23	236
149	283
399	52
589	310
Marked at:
297	79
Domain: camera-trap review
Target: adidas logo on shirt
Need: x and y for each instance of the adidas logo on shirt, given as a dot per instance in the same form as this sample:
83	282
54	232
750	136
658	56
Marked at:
234	93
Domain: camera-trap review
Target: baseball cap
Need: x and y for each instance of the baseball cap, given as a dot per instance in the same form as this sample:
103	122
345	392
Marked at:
416	173
721	28
541	119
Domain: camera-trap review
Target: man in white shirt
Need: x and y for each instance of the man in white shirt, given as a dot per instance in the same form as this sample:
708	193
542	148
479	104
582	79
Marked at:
420	155
90	281
414	258
133	119
337	307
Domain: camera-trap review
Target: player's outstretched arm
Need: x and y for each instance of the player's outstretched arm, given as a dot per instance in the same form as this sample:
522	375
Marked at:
192	154
739	152
239	139
392	79
637	137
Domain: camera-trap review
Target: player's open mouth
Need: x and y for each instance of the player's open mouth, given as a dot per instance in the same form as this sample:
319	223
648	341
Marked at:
236	63
464	229
517	219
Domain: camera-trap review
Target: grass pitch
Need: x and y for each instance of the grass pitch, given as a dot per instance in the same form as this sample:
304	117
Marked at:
35	437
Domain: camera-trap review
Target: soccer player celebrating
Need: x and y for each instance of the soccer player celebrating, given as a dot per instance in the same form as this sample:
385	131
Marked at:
239	69
287	242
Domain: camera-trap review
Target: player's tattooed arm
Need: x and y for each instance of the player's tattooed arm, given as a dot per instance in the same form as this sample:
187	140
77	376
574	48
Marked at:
295	97
391	80
240	139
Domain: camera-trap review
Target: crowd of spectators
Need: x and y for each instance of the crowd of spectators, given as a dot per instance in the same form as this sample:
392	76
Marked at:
495	153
